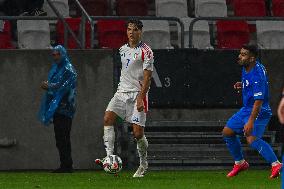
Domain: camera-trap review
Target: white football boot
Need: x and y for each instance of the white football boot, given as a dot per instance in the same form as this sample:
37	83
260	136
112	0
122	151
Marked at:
141	171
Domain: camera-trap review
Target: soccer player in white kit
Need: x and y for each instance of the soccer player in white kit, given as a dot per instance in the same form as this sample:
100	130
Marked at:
130	102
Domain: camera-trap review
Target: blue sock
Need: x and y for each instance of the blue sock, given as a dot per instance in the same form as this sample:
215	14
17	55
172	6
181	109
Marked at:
264	150
234	145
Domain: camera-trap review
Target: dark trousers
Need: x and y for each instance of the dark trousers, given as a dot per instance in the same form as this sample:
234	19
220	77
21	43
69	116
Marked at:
62	129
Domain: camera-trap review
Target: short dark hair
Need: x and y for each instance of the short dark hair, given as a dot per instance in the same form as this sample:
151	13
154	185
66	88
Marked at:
136	22
252	49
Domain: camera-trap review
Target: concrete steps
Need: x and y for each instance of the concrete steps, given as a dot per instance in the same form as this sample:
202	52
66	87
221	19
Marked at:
194	145
196	137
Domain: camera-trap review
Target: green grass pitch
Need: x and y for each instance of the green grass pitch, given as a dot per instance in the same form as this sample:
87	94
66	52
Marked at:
251	179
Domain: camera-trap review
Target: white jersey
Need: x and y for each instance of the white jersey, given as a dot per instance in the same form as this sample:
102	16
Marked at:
134	62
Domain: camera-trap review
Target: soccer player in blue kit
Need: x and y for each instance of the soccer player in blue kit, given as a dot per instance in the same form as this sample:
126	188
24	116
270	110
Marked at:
252	119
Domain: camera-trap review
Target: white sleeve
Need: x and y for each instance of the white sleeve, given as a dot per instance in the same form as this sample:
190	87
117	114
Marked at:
148	60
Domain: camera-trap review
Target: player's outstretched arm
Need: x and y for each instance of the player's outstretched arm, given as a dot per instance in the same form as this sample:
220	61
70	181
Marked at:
280	110
147	75
254	113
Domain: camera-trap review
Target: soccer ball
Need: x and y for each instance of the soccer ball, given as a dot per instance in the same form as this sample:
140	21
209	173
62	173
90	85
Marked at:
112	164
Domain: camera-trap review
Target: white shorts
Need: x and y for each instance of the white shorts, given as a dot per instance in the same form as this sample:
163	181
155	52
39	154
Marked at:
124	105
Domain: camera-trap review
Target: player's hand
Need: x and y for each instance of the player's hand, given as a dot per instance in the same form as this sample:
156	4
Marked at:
140	105
44	85
280	111
238	86
248	128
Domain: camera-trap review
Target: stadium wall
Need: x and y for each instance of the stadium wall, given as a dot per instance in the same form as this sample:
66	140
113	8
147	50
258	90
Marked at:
21	72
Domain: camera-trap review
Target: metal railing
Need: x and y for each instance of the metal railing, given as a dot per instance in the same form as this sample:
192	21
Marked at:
226	18
145	18
66	26
67	29
85	16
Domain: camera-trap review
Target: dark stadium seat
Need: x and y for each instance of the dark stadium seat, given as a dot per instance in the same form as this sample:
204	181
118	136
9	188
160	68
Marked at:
74	24
229	1
278	7
111	33
5	35
132	7
96	7
249	8
232	34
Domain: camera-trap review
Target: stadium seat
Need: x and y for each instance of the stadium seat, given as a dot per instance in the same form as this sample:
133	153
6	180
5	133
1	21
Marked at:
111	33
232	34
249	8
156	34
168	8
5	35
270	34
132	7
210	8
33	34
96	7
61	5
74	24
201	35
278	8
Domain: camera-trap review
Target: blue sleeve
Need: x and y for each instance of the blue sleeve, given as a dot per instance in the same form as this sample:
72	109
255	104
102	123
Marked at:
65	81
259	85
56	90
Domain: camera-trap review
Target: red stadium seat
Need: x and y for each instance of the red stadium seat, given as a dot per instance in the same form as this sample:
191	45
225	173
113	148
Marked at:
6	36
111	33
74	24
278	8
249	8
132	7
96	7
232	34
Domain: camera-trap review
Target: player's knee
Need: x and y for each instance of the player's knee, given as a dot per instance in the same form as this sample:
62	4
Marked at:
250	139
138	135
227	132
108	120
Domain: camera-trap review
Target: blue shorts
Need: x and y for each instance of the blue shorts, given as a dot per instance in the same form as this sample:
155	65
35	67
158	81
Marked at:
238	121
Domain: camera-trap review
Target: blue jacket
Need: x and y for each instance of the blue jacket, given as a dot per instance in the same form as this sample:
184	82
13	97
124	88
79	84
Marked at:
61	94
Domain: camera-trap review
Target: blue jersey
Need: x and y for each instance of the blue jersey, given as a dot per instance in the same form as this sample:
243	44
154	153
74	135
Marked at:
255	87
